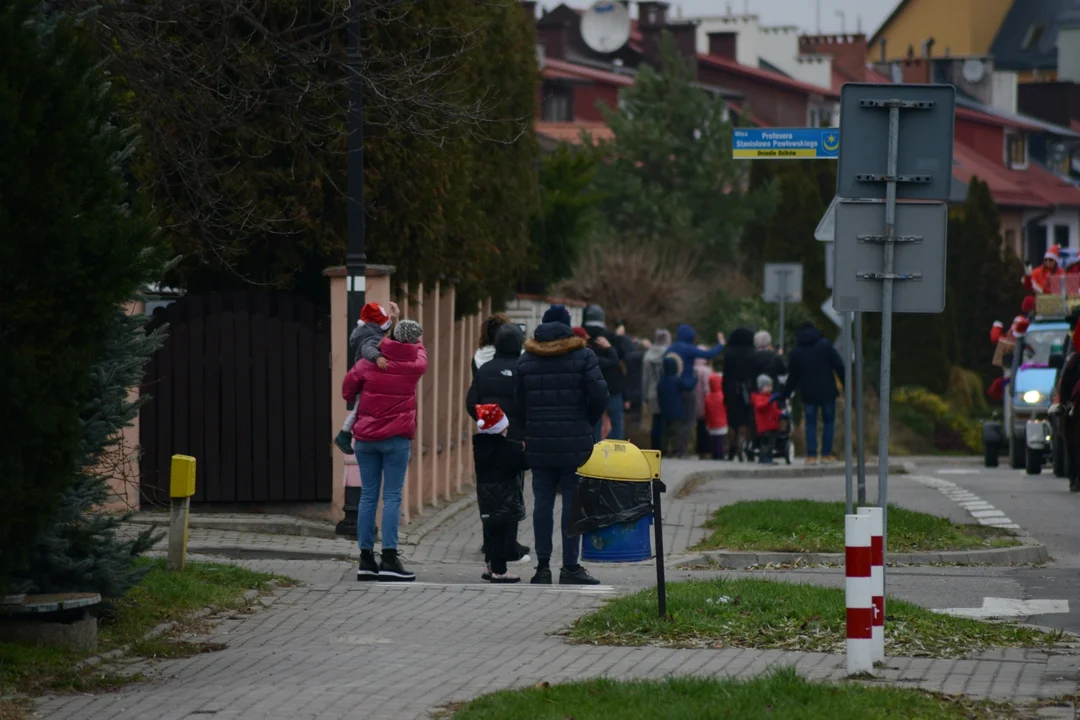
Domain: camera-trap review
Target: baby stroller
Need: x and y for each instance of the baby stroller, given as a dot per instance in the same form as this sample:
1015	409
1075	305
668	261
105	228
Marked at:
782	445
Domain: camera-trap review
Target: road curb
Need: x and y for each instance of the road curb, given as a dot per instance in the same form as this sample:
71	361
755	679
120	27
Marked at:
785	472
1029	553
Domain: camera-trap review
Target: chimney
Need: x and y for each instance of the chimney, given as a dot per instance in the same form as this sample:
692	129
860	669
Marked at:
652	14
723	44
848	52
529	6
928	47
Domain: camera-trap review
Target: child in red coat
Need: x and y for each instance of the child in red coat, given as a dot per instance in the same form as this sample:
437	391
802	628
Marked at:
716	415
766	416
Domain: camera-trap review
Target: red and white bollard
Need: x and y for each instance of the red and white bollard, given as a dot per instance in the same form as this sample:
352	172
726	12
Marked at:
877	578
860	604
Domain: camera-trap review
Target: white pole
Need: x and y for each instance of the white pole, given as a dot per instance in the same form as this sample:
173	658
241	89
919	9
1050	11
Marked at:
877	580
858	595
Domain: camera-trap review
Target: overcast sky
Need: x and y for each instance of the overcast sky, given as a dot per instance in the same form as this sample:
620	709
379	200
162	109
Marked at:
786	12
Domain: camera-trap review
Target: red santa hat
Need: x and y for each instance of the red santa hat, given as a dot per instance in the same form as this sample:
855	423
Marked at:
490	419
1053	253
376	313
1020	327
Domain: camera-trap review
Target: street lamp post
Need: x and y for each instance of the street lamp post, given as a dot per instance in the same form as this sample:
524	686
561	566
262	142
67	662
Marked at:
355	255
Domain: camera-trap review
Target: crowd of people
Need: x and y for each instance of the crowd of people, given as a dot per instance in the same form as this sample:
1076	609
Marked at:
542	403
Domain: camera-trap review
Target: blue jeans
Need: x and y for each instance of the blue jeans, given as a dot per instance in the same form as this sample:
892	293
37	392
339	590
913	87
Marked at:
828	418
382	464
615	413
545	482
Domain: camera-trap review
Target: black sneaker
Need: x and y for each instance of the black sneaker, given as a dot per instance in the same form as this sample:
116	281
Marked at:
576	576
542	576
369	566
344	442
391	569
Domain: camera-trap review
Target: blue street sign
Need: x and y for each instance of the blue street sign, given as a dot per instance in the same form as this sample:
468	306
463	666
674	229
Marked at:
785	143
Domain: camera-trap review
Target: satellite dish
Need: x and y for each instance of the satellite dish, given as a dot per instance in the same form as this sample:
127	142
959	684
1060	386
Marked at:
605	27
973	70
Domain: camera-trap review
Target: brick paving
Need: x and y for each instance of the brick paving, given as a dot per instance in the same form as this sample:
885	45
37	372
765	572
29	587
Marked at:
349	650
335	648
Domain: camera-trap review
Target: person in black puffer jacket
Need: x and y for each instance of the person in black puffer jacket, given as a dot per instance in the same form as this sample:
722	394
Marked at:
494	384
813	368
739	382
561	395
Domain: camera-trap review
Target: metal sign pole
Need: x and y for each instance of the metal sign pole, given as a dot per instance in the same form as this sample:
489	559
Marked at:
886	324
847	413
860	431
783	295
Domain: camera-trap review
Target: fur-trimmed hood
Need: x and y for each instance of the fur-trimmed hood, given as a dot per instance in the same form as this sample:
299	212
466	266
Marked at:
554	348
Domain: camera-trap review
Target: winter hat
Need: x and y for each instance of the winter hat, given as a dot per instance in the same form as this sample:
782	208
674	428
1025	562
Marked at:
557	313
408	331
662	337
375	313
1028	304
763	381
490	419
1052	253
1021	327
594	316
581	333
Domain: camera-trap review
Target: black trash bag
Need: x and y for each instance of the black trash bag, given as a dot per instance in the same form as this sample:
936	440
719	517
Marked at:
602	503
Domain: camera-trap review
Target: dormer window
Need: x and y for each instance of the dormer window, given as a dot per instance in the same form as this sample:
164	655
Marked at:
1016	150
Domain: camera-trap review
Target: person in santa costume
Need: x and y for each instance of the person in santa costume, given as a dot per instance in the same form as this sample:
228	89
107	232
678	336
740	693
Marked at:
1038	280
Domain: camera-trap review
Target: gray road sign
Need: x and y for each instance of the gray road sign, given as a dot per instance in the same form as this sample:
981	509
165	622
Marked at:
783	282
925	148
859	257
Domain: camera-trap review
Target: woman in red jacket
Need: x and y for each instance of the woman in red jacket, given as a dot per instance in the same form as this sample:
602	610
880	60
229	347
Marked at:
383	432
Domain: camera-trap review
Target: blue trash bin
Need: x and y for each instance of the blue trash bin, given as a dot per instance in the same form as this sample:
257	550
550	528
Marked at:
623	542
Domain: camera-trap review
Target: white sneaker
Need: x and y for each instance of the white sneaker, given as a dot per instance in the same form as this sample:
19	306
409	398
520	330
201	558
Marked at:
524	559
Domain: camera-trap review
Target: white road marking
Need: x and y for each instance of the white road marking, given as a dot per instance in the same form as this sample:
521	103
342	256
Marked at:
957	471
976	507
1010	608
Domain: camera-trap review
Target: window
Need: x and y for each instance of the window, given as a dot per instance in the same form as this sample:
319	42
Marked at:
1032	37
820	117
558	104
1016	151
1061	235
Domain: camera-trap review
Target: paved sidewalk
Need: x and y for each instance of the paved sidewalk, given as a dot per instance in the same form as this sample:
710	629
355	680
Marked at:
400	651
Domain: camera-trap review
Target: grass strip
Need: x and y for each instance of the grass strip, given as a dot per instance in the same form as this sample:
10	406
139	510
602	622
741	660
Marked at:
161	597
770	614
778	694
814	526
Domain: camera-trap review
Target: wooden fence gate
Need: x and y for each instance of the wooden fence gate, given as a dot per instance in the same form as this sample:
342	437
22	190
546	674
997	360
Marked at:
242	384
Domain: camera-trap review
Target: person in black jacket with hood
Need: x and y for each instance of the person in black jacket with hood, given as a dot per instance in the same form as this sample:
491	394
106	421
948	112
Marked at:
561	395
494	383
813	367
740	379
610	352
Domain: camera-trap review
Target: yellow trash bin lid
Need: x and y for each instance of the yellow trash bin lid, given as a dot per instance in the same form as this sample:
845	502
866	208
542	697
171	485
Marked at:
621	460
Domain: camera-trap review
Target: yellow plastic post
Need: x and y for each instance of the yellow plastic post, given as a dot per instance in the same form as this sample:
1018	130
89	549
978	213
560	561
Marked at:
181	488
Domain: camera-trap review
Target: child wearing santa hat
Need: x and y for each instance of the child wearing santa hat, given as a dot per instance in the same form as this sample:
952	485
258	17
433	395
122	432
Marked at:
500	480
374	324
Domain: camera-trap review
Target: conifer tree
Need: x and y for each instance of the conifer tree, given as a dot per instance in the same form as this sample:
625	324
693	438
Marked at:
72	249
